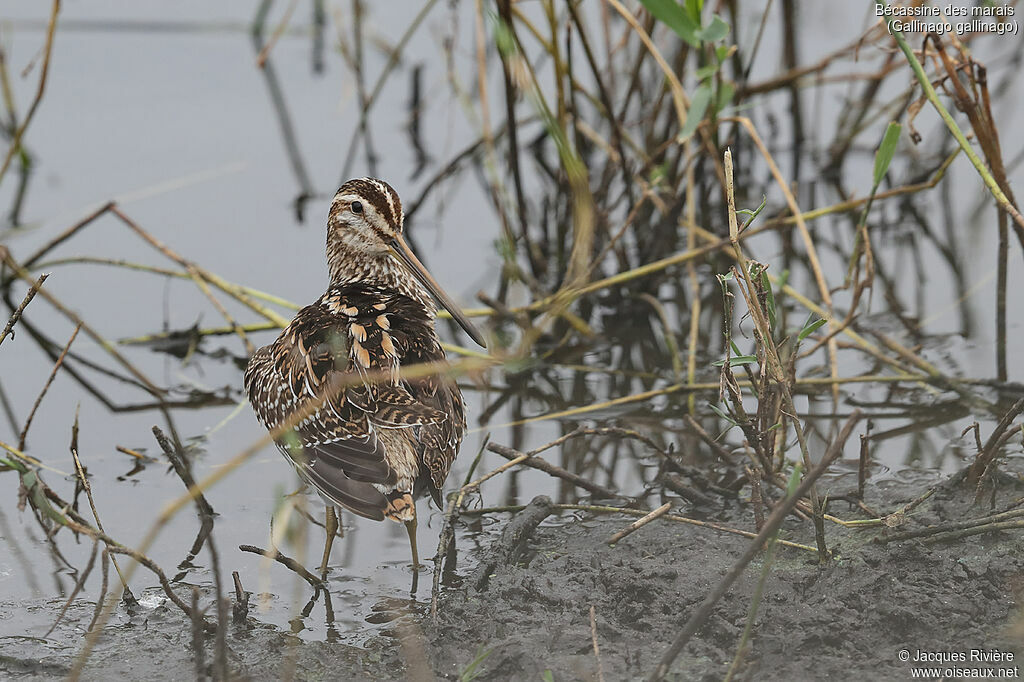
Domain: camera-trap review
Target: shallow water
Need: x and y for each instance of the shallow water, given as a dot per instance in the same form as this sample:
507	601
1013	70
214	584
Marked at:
170	116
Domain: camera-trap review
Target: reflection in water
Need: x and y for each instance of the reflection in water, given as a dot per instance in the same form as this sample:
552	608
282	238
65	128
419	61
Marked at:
280	106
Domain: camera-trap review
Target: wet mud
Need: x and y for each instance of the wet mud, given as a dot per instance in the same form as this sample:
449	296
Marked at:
846	620
523	609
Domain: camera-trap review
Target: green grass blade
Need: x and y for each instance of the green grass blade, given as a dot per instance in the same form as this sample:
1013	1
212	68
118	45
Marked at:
721	413
886	150
736	361
810	328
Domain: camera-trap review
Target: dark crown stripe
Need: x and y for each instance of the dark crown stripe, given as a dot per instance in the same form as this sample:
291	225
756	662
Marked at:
378	194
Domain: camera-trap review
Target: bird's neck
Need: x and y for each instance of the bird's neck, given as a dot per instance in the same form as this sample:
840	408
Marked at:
384	272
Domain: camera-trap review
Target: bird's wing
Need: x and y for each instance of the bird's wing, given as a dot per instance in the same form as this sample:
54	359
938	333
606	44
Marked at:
337	354
438	441
335	448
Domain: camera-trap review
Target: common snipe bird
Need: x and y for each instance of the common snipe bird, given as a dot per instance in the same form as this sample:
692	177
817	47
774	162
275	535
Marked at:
372	441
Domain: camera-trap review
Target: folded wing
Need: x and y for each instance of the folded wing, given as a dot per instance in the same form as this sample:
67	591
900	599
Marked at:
337	361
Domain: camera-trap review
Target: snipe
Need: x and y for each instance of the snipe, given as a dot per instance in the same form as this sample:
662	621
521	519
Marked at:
375	441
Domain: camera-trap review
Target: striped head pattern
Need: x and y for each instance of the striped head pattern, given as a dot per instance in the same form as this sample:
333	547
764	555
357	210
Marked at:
365	218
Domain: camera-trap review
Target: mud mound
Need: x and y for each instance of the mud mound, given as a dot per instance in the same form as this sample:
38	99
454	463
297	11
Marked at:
847	620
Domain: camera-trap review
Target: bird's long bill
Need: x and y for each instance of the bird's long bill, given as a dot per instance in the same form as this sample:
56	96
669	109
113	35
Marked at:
403	251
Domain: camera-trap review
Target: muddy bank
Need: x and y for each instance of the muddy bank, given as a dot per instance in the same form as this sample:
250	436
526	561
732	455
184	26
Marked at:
848	620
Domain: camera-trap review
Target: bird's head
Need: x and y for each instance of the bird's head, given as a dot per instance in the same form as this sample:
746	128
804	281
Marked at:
364	236
365	218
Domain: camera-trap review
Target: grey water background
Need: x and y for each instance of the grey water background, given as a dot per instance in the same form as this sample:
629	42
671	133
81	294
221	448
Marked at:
165	111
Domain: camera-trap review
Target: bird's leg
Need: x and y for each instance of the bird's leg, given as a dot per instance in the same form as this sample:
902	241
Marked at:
410	528
331	523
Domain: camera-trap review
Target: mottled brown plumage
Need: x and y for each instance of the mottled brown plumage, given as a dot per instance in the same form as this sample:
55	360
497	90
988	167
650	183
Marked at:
363	330
376	440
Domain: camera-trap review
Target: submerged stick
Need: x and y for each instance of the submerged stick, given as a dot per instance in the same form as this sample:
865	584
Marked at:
445	541
994	442
106	345
240	609
287	562
46	387
512	540
206	515
128	596
79	584
16	315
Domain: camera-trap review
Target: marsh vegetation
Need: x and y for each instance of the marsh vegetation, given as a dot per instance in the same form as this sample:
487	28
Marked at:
746	271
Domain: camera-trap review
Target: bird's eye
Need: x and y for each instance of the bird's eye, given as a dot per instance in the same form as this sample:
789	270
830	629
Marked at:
357	207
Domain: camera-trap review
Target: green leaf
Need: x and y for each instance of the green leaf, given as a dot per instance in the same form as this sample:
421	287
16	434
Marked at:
726	91
714	31
794	479
658	173
698	107
809	329
37	498
886	151
694	9
722	51
736	361
704	72
753	214
722	414
671	13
